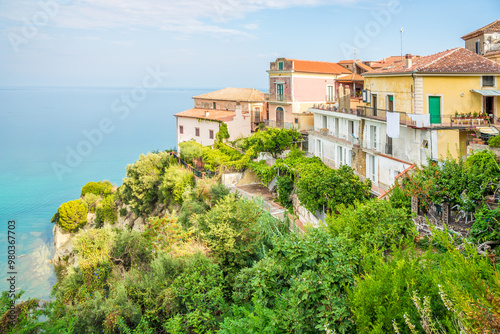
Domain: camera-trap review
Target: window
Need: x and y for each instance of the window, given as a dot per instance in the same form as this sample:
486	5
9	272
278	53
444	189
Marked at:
374	103
296	121
215	105
280	66
197	132
340	150
325	122
181	129
478	47
373	137
390	102
488	81
329	94
256	113
211	134
279	92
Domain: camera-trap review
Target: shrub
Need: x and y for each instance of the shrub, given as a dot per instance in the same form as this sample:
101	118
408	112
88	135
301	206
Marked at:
273	140
105	211
175	180
190	150
285	188
72	215
90	200
494	141
222	134
123	212
199	294
140	187
101	188
303	281
371	224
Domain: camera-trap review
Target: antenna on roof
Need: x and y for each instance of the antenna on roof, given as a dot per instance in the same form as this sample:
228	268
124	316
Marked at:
402	30
355	54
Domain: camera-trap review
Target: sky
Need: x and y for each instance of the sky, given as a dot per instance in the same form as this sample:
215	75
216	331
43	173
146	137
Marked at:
216	43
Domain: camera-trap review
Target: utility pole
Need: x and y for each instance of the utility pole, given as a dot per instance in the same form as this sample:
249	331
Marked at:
402	30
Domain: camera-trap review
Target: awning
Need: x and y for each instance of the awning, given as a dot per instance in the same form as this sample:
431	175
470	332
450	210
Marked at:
486	92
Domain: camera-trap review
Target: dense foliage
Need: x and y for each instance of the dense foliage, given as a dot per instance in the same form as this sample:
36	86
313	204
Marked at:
273	140
459	183
140	187
100	188
190	150
218	263
71	215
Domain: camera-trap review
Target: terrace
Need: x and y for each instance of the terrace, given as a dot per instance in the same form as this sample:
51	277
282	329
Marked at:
410	120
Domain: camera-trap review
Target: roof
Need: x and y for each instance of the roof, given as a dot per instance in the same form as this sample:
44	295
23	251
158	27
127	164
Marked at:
388	61
348	61
213	115
458	60
492	27
350	77
358	63
234	94
318	67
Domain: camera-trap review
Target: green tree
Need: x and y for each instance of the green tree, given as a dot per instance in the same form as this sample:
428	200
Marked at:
222	134
141	186
71	215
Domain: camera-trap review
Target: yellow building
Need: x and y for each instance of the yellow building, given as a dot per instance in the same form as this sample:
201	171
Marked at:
449	93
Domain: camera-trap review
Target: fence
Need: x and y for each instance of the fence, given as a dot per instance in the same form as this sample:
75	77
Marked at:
198	174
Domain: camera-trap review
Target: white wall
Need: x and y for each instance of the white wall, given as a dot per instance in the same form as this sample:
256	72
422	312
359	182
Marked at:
190	124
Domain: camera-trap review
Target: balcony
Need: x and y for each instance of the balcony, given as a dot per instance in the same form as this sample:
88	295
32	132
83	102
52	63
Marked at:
330	99
410	120
331	134
286	125
278	98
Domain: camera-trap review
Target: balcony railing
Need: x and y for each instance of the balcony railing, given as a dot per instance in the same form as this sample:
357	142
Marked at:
278	98
350	138
411	120
285	125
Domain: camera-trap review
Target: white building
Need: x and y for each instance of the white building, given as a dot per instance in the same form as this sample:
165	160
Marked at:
361	140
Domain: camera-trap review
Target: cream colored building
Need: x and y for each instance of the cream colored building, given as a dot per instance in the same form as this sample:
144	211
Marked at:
242	109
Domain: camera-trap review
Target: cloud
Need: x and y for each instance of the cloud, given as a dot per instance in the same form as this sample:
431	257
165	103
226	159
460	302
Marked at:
186	17
251	26
122	43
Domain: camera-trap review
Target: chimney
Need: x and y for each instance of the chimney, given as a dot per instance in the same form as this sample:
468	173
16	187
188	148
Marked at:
238	109
408	60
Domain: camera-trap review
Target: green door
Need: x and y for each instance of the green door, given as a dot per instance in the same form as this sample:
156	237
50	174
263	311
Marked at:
435	109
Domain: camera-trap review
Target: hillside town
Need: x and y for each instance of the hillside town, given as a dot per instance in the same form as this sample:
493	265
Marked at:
378	117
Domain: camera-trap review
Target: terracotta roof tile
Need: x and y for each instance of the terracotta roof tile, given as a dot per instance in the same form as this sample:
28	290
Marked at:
458	60
318	67
350	77
234	94
209	114
492	27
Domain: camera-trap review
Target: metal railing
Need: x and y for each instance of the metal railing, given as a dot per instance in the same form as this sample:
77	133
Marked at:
408	119
278	98
350	138
286	125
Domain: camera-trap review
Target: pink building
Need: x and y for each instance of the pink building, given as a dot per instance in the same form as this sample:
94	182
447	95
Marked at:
242	109
297	85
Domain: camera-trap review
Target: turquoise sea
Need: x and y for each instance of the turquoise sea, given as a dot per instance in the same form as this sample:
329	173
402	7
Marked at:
52	142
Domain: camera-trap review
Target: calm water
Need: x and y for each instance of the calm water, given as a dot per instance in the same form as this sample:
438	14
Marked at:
38	127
